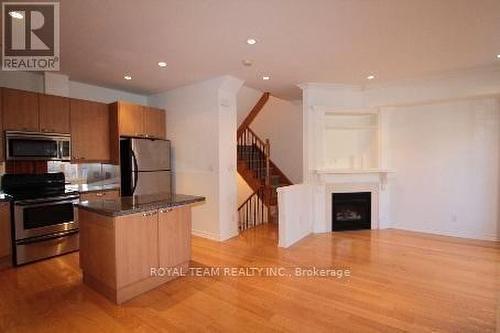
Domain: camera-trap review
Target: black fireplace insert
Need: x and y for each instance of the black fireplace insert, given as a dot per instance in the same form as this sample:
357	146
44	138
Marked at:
351	211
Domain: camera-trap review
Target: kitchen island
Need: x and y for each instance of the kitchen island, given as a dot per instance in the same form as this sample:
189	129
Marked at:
123	241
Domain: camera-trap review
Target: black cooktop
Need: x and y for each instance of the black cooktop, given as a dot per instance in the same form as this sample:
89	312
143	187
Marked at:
35	186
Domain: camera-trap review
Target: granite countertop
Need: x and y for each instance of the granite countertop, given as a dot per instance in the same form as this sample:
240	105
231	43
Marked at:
85	188
138	203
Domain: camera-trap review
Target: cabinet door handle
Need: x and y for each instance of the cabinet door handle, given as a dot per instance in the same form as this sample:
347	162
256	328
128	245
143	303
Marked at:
99	194
149	214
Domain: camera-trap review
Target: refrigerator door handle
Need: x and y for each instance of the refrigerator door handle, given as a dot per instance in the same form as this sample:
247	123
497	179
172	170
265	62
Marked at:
135	171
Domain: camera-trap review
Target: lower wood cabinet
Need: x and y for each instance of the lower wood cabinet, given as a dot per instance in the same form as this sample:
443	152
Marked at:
5	234
174	234
118	254
136	247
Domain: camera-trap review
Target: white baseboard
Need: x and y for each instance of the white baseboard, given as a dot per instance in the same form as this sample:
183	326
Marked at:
213	236
205	234
486	237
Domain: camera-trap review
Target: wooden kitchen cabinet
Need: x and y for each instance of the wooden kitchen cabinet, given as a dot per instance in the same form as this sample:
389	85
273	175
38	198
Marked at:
174	235
139	121
137	246
20	110
154	123
54	114
5	234
119	253
131	119
90	131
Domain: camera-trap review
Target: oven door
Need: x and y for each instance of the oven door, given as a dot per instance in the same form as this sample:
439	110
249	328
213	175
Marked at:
32	219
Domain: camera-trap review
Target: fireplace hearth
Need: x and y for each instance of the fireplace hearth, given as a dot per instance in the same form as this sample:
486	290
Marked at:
351	211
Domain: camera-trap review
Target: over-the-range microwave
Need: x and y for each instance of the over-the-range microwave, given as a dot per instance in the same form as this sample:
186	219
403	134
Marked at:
37	146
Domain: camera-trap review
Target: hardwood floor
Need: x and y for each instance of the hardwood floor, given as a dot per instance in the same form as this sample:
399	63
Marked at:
400	281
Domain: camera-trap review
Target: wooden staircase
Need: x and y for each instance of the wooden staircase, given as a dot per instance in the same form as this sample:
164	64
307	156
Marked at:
260	173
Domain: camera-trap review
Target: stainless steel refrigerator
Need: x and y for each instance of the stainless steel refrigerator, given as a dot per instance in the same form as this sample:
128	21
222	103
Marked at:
145	166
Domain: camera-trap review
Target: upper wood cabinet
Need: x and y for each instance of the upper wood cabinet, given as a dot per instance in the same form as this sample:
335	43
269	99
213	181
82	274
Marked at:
20	110
90	131
29	111
139	121
54	114
130	119
154	123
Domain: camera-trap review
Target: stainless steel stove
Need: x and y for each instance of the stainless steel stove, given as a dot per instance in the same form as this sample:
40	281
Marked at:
44	217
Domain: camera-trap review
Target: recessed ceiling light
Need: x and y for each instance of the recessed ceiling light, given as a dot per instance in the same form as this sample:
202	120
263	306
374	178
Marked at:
16	15
246	62
370	77
251	41
266	78
498	56
162	64
127	77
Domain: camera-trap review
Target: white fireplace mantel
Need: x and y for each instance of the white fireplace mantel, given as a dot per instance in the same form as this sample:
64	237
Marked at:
334	175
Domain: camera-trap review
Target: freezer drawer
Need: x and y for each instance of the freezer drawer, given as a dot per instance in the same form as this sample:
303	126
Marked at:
153	182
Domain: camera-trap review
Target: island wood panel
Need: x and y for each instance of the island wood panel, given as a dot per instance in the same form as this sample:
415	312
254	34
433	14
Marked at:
5	233
90	137
174	234
54	114
97	248
134	240
154	123
136	247
20	110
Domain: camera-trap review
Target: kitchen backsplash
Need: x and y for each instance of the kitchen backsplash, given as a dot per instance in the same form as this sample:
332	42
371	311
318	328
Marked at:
88	173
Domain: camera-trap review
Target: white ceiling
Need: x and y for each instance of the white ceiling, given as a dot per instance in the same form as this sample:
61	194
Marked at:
336	41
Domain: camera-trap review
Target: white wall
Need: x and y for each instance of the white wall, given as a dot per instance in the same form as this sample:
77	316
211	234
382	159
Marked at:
22	80
246	100
296	212
201	123
446	157
243	190
35	82
441	137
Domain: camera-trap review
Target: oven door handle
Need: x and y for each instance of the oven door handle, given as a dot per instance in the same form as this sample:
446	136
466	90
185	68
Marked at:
56	237
50	203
